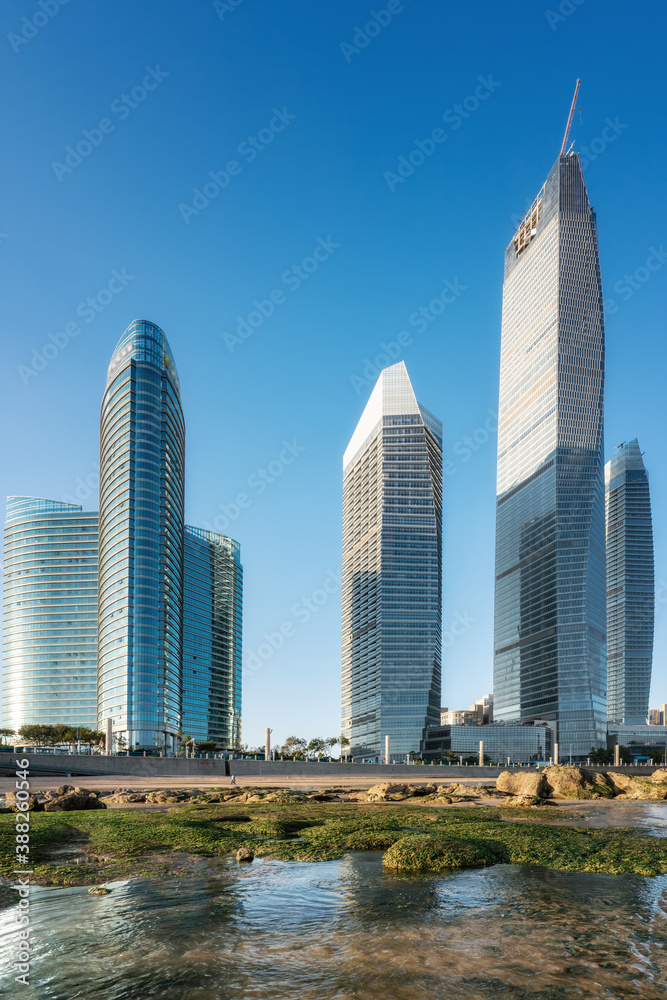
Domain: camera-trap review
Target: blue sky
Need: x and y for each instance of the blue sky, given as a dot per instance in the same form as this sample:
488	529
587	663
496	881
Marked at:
303	114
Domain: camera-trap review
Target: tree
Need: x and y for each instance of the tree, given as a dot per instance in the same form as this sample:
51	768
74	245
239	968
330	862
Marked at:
208	746
344	746
294	747
38	736
7	733
601	756
316	747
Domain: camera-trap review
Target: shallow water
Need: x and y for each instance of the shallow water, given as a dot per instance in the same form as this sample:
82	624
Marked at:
343	930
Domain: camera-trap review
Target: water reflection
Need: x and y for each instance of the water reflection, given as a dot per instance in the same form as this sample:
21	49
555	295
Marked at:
344	930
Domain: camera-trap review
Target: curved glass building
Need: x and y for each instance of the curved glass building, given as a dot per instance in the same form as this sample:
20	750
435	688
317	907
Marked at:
49	671
630	586
392	572
212	621
142	459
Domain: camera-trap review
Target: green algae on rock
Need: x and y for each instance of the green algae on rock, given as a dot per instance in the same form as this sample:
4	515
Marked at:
428	852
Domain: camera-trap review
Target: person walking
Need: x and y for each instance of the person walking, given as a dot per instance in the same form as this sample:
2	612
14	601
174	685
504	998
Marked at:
233	781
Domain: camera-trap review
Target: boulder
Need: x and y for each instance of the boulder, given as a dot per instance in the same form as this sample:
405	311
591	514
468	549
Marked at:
126	797
387	792
523	783
631	786
568	781
34	803
523	801
70	802
659	775
459	791
244	854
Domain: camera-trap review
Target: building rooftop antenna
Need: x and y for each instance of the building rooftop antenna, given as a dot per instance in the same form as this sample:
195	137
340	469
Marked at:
569	119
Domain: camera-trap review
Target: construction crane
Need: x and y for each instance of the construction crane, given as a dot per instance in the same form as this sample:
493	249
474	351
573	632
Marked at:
569	119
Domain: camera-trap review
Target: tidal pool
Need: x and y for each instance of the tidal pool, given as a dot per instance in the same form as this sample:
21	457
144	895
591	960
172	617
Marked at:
344	929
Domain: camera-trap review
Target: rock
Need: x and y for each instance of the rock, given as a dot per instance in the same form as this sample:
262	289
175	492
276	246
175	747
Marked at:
125	797
72	802
244	854
522	783
63	789
523	801
386	792
460	791
34	803
631	786
567	781
659	775
99	890
428	852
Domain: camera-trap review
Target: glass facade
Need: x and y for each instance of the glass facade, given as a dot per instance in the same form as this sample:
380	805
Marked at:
49	671
212	623
630	586
550	643
392	571
142	457
523	743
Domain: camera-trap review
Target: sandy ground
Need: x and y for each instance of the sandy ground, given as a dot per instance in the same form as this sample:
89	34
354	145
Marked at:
109	782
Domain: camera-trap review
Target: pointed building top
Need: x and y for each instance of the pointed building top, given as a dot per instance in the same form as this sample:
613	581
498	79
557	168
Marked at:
392	395
626	458
144	341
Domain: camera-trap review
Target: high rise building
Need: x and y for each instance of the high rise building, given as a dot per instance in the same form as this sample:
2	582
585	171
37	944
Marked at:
630	586
49	671
392	571
142	457
212	620
550	538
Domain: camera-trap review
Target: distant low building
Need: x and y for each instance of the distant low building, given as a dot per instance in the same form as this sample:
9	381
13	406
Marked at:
522	742
657	716
641	741
479	714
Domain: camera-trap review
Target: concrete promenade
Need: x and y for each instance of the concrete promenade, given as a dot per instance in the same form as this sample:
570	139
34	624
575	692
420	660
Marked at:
161	772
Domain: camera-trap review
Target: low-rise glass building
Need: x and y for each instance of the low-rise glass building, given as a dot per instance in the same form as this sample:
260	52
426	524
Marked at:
212	627
49	671
522	742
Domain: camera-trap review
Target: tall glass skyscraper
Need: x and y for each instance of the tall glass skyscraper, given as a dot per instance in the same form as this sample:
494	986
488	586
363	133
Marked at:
630	586
392	571
212	623
49	671
550	538
142	459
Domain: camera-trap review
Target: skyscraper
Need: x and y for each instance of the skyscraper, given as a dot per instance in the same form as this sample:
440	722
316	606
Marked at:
550	540
212	621
142	458
630	586
49	670
392	571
